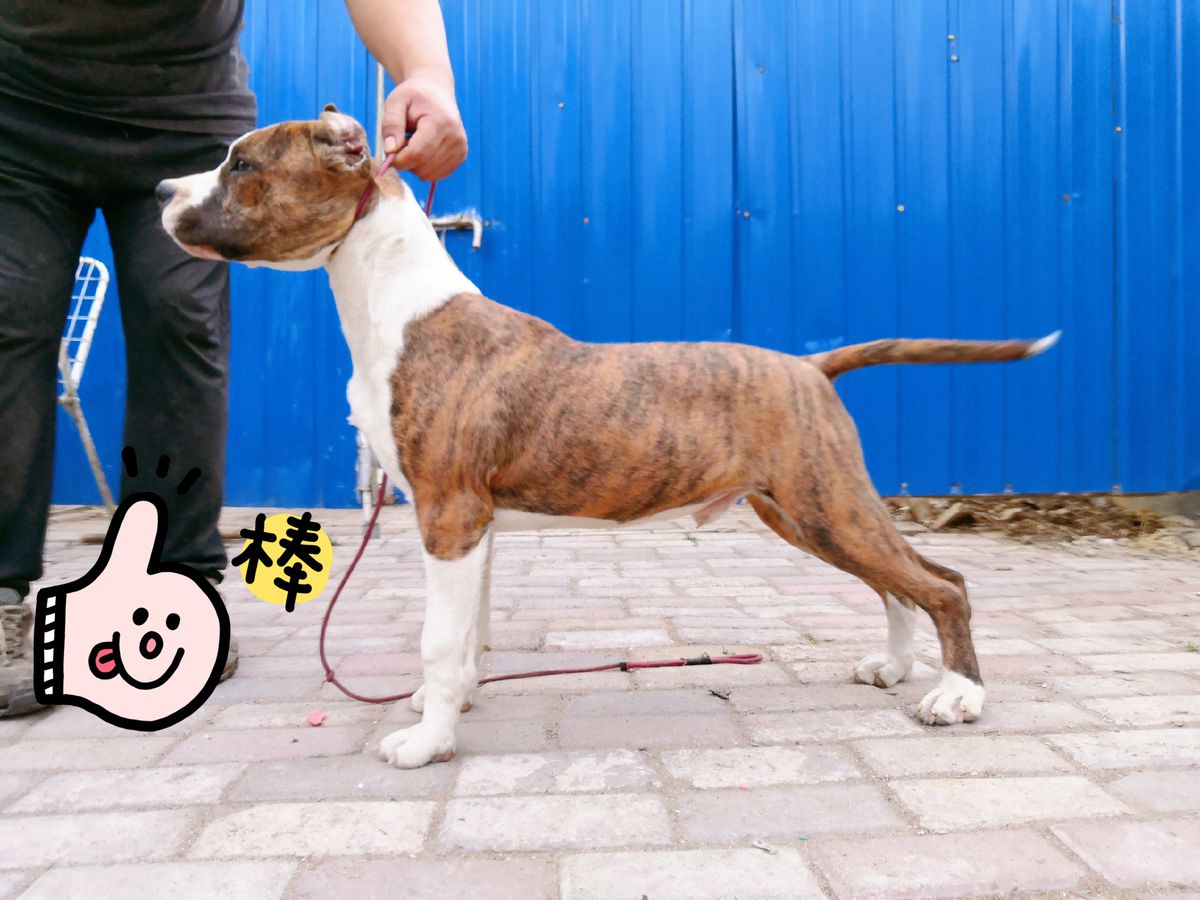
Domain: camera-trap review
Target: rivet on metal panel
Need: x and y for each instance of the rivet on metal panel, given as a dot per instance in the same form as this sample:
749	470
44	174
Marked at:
953	57
561	105
761	70
587	220
1118	129
745	214
1066	198
951	37
899	207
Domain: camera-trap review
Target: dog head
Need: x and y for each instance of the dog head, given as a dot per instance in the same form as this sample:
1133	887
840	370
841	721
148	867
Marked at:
283	195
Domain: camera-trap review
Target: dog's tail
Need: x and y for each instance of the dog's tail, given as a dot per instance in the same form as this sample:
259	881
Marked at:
926	350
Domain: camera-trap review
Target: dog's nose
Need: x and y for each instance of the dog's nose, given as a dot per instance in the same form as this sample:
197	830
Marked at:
164	192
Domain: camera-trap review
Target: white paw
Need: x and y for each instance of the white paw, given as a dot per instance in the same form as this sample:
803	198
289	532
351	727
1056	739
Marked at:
882	670
411	748
956	699
417	700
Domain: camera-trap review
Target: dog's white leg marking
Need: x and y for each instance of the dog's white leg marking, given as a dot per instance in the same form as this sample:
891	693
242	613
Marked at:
448	652
956	699
483	632
894	664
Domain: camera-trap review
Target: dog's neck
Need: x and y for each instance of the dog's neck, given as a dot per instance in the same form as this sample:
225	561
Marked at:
390	269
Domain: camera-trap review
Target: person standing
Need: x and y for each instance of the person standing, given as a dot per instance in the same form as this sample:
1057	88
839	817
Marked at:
100	101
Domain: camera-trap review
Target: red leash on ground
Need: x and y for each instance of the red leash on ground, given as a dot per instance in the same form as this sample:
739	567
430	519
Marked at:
742	659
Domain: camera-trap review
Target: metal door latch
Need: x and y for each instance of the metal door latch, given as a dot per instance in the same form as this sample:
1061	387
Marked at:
461	221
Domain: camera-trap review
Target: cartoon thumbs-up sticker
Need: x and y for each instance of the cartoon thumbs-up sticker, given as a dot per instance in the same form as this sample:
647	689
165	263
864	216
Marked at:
138	642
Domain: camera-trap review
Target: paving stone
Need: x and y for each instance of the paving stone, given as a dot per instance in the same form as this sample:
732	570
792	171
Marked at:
641	732
1095	645
808	698
590	640
1041	667
14	784
1121	685
414	879
564	684
687	874
250	745
723	676
169	786
279	689
1137	854
948	754
72	722
322	829
1143	662
784	813
1131	749
1034	715
998	862
830	725
758	766
1164	709
83	753
10	881
554	773
1169	791
229	880
362	776
1123	628
945	804
293	715
82	838
646	703
501	824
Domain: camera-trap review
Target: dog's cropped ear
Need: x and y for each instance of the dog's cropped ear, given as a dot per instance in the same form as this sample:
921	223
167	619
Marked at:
341	138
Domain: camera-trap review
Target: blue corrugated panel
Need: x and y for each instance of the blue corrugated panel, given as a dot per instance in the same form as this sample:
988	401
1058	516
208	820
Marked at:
702	169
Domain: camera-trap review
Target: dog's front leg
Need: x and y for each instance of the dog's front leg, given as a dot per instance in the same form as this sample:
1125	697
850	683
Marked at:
448	653
483	633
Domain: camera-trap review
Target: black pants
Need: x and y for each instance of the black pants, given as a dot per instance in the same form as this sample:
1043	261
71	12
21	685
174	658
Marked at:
56	170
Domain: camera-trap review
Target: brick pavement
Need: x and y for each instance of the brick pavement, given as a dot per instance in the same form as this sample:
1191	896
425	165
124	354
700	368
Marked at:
781	780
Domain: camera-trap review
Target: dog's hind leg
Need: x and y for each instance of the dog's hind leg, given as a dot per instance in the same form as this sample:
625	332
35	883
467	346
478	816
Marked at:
847	526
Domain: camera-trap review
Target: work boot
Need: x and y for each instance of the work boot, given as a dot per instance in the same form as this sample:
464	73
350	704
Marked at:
231	661
16	666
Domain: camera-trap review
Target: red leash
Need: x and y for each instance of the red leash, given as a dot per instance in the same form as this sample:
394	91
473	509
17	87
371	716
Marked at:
626	666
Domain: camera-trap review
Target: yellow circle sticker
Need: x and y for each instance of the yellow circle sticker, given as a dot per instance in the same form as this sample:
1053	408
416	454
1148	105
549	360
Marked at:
286	558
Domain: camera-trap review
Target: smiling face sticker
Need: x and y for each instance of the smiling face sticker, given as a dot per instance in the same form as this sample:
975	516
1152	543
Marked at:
138	642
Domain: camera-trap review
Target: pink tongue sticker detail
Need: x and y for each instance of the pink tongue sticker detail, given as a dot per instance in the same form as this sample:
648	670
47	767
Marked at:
104	660
150	645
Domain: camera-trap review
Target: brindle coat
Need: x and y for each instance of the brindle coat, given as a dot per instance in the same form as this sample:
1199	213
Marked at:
494	409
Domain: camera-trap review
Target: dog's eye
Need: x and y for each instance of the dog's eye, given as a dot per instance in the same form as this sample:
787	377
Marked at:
242	166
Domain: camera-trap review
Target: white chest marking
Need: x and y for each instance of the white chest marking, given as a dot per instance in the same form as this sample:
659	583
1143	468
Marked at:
390	270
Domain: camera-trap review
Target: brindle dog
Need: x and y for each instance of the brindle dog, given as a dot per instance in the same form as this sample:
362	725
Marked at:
492	419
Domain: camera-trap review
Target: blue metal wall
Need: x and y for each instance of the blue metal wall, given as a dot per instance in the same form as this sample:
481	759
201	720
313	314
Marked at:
797	175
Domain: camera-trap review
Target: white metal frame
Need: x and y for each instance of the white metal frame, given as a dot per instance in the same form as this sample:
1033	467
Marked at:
87	300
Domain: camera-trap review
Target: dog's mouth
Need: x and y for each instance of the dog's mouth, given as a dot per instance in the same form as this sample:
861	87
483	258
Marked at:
105	663
201	250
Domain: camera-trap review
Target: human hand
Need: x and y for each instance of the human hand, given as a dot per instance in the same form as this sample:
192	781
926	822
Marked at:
424	105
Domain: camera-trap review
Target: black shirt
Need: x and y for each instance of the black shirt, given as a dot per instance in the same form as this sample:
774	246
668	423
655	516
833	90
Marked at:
168	64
